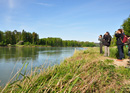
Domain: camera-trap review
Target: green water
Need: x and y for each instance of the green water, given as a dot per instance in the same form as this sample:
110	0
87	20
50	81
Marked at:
12	59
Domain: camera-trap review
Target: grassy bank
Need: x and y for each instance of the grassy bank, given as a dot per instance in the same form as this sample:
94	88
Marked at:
87	71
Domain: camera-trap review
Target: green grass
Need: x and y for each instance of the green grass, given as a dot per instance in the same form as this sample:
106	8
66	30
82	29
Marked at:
84	72
114	52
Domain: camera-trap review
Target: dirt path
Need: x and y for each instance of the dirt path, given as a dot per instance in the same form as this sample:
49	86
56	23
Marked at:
124	63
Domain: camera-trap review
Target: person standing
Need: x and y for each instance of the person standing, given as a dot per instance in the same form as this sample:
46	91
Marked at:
100	39
119	37
106	43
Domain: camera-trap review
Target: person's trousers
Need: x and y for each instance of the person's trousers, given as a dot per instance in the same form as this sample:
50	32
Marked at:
120	51
129	53
101	49
107	52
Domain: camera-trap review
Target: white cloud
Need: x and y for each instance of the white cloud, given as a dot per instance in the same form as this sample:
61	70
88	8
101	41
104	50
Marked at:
11	4
8	16
44	4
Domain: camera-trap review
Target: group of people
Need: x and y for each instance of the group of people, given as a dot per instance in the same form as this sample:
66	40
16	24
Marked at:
121	38
106	41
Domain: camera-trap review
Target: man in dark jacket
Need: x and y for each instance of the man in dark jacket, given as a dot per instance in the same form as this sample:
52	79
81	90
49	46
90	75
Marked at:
119	37
106	43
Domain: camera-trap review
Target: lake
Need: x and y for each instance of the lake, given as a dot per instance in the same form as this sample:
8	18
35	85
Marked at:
13	58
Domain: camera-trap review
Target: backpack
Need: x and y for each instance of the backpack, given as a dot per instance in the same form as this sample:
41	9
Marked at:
124	39
106	42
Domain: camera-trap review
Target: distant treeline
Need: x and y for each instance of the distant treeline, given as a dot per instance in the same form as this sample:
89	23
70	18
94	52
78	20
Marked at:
64	43
13	37
27	38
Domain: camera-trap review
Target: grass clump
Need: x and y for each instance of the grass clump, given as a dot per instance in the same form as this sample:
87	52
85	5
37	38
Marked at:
108	61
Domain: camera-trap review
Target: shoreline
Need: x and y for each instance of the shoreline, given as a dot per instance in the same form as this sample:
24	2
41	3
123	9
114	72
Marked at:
25	46
36	46
85	71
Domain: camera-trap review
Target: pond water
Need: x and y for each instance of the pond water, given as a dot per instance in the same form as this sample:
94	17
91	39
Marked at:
13	58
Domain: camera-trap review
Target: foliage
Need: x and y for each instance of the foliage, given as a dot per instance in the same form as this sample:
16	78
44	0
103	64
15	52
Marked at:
1	36
13	37
28	38
113	41
126	26
27	43
2	44
64	43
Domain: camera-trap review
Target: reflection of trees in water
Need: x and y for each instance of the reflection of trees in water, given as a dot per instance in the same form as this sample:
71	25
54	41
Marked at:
39	56
31	53
54	51
18	53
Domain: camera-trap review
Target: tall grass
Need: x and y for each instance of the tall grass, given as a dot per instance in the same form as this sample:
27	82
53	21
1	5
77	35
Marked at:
84	72
114	52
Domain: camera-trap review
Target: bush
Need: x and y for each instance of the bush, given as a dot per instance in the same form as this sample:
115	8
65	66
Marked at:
27	43
2	44
114	52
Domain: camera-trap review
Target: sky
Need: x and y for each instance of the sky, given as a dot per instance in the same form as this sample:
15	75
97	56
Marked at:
81	20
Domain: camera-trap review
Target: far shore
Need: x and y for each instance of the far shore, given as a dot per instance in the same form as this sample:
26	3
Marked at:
35	46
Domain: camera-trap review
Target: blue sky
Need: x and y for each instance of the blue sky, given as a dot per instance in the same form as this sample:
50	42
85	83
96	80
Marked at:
82	20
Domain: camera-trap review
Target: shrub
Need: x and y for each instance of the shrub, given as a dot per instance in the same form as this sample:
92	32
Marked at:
2	44
27	43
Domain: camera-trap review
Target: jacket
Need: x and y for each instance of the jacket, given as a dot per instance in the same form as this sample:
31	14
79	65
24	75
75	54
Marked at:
100	39
119	38
106	40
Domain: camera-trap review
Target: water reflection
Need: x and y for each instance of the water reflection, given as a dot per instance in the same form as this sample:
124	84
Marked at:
37	56
15	53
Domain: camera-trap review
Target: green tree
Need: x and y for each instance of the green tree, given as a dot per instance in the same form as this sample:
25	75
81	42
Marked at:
18	36
126	26
13	41
24	36
1	36
113	41
35	38
8	37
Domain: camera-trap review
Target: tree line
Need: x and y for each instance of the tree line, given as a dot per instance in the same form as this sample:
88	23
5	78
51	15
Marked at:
64	43
27	38
13	37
